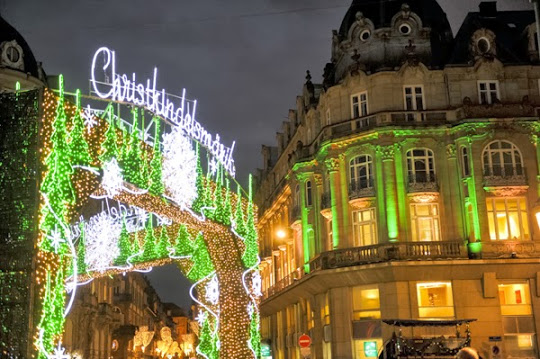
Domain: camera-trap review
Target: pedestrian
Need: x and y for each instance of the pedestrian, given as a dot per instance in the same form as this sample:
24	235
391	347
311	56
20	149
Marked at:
467	353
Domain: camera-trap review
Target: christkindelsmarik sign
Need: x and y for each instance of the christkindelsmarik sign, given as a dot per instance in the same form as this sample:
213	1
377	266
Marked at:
126	89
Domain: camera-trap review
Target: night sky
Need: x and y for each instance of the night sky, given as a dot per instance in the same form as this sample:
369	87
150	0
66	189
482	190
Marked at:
243	60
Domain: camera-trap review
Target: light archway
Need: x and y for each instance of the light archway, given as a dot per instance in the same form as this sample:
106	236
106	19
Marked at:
120	196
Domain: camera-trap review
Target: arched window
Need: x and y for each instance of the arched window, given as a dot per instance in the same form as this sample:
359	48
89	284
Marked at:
361	172
309	194
502	159
421	165
465	165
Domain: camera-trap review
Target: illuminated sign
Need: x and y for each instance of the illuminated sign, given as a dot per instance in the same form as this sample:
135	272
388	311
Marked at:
124	88
370	349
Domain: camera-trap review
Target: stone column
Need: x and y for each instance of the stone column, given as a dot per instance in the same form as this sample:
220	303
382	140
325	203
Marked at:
318	221
332	165
401	191
390	192
308	247
454	227
340	319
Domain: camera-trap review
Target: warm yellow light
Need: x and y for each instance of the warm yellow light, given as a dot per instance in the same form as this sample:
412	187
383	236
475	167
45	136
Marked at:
280	233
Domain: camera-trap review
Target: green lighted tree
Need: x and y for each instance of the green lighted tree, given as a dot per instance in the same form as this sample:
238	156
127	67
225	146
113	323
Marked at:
136	248
207	343
59	300
183	246
164	244
255	334
124	245
149	246
199	182
227	209
78	147
240	226
251	254
133	162
57	183
81	251
109	147
156	170
202	263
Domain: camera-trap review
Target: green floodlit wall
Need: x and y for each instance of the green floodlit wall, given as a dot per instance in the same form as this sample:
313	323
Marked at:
19	114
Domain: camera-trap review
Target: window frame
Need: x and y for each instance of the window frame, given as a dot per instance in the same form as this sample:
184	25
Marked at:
515	154
488	91
430	170
355	167
449	285
309	193
434	222
358	224
360	309
493	214
465	161
360	107
414	97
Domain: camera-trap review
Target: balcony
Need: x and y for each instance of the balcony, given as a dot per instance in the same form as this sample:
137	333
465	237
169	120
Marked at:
423	182
377	253
386	252
361	188
507	176
507	249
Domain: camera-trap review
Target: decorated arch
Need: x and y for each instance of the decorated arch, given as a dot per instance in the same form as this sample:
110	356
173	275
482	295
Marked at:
123	189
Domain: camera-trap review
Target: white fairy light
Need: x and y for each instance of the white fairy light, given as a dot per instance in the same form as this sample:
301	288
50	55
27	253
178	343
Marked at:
179	167
112	181
56	239
256	284
102	235
213	165
200	318
212	291
59	353
89	119
250	309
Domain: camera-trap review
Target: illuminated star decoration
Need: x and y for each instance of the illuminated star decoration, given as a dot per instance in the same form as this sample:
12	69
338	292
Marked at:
250	309
89	120
213	166
101	241
56	239
201	317
212	291
112	180
59	353
179	167
256	284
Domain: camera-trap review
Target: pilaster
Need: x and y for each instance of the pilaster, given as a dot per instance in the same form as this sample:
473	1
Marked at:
333	166
390	192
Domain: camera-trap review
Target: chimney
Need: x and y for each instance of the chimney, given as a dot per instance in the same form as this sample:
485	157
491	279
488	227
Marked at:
488	9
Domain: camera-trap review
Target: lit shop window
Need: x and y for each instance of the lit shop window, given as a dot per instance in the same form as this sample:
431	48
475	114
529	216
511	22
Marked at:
366	303
515	299
517	319
507	218
425	222
364	227
435	300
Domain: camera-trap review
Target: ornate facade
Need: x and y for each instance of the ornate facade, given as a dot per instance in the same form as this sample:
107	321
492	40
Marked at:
406	185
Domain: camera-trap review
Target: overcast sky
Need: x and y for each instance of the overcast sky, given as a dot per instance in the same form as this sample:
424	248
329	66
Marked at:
243	60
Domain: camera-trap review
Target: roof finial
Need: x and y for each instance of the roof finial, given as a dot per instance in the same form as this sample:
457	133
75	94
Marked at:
308	76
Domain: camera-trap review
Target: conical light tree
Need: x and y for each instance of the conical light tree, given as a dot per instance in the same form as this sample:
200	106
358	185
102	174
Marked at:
164	244
109	147
202	263
81	251
156	169
183	246
124	245
78	147
133	165
149	246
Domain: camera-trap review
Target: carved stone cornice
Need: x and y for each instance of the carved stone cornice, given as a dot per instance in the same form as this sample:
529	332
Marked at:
387	152
507	191
317	177
332	164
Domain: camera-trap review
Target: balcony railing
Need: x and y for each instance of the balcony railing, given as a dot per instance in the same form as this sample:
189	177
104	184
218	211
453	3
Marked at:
509	249
374	254
506	175
387	252
423	182
326	200
361	188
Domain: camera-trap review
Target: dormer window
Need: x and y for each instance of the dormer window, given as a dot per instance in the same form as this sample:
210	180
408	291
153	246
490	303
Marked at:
483	45
405	29
365	35
12	55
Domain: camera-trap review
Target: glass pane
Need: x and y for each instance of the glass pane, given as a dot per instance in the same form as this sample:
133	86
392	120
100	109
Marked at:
422	209
483	86
425	230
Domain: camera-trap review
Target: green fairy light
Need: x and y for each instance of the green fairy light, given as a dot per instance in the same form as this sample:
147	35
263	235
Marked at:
156	170
78	147
109	147
164	244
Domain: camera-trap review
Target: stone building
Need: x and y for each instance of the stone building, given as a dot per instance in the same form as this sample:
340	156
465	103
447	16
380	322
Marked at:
108	312
406	185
